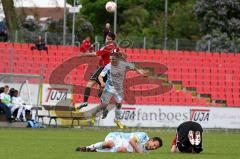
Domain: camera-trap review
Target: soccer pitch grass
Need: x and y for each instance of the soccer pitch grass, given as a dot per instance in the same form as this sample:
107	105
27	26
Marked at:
60	143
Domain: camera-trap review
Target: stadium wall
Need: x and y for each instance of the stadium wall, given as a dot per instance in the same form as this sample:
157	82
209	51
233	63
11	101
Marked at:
141	115
172	116
51	95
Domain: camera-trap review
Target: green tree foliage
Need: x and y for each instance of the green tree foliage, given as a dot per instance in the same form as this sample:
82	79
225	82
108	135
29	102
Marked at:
144	18
182	21
134	20
220	22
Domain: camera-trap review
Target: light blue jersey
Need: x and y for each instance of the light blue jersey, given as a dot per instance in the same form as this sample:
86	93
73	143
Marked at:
115	78
121	139
116	75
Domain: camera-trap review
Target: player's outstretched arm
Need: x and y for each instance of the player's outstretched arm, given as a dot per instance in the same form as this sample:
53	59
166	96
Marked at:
140	70
133	143
174	148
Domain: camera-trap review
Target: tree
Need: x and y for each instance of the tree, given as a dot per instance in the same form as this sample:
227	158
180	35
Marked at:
10	15
134	20
220	22
182	21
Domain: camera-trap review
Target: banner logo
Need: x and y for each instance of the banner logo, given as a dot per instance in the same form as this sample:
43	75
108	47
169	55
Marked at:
57	94
199	115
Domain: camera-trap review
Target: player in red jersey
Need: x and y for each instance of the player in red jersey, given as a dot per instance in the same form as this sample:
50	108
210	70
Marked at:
104	52
86	45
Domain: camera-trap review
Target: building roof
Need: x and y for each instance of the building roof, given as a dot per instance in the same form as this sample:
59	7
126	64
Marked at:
36	4
39	3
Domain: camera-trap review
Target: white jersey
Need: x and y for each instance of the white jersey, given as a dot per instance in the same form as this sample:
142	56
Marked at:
121	139
17	101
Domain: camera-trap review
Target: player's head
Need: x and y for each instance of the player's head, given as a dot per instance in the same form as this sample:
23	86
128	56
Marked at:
110	37
153	143
6	89
39	37
88	38
11	92
114	58
15	94
107	26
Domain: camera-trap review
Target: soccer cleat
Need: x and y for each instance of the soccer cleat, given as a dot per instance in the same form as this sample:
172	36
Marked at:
105	113
197	140
82	105
92	119
81	149
119	124
85	149
190	137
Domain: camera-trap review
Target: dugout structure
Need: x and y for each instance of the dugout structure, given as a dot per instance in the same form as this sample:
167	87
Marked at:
28	85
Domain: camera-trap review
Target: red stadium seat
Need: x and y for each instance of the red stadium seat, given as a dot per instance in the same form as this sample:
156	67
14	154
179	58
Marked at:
217	74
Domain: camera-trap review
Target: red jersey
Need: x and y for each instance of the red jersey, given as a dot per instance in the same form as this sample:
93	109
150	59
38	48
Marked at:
85	46
104	52
174	142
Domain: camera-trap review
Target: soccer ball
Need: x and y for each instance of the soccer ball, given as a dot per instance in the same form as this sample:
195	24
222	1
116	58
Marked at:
111	6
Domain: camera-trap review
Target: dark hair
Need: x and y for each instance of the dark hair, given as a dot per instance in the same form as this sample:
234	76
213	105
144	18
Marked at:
6	86
159	140
11	92
1	89
112	35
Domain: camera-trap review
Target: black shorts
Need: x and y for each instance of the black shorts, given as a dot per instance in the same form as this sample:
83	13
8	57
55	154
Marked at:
182	134
184	128
95	75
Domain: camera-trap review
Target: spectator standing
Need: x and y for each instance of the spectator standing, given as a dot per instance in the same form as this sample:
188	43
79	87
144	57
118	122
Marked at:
86	45
106	30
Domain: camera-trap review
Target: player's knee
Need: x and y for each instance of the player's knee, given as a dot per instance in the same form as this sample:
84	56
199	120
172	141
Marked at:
91	83
109	144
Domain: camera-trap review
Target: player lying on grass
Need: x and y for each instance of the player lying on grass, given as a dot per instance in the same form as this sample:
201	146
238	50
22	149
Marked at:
137	142
188	138
115	72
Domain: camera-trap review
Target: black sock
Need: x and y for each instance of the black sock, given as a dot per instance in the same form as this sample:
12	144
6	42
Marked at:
100	92
87	93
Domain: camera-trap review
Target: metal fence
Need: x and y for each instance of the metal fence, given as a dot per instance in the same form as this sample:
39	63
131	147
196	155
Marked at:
153	42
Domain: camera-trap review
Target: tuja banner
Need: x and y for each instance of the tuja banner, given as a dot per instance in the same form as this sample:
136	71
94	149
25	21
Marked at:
172	116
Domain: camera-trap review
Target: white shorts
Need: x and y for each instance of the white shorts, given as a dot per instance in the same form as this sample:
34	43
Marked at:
107	96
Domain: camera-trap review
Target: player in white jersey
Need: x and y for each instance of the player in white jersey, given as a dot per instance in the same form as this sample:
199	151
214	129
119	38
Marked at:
113	87
137	142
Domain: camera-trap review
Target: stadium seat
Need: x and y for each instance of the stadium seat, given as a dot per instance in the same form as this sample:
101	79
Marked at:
216	74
